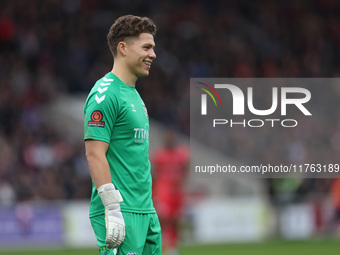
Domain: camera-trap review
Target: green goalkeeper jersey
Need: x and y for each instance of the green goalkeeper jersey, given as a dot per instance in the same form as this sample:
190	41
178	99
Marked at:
116	114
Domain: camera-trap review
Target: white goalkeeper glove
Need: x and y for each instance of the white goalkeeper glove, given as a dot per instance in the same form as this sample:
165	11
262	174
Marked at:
114	221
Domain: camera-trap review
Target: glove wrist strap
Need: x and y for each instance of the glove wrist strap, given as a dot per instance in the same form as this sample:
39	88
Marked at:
109	195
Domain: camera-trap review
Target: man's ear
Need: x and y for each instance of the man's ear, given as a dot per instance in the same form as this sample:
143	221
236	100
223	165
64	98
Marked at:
121	47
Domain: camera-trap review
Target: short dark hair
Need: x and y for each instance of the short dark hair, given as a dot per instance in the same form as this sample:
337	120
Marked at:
128	26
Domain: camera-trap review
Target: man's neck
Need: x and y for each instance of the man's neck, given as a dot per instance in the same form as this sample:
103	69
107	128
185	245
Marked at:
124	75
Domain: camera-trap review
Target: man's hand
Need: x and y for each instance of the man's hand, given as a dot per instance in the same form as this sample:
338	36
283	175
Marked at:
114	221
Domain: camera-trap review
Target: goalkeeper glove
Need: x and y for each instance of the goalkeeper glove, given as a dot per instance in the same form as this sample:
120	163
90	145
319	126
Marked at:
114	221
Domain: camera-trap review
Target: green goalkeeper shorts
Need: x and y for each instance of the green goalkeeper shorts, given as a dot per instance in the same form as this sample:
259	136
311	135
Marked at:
143	235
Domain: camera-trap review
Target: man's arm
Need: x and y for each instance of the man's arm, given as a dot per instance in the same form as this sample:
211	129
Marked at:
101	176
97	161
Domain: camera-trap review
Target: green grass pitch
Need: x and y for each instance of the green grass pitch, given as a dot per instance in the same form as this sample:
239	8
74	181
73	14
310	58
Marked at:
315	247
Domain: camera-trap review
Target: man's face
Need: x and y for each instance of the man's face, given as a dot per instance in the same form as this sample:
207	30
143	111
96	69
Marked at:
140	54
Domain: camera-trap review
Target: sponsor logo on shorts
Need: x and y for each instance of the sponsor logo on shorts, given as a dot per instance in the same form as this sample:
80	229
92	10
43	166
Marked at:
104	251
96	119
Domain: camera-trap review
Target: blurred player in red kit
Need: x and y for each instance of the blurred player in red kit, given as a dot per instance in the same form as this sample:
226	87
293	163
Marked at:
170	165
335	196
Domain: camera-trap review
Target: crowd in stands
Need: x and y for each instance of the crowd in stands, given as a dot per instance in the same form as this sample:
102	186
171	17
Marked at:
52	47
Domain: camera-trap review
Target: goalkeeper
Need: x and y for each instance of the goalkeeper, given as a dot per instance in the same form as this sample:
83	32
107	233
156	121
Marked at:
116	134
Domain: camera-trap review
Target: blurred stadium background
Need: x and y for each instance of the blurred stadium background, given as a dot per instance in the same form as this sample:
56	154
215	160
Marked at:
53	51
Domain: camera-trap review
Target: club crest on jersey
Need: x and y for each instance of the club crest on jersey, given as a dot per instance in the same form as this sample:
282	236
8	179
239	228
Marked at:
96	119
146	111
